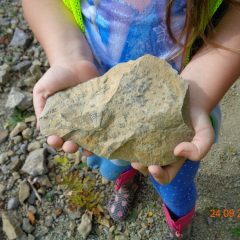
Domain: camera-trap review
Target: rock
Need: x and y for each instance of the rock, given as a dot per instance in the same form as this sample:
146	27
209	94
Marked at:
17	139
138	111
22	66
24	192
85	226
31	200
18	129
43	181
18	98
3	136
34	146
121	237
27	133
15	164
20	39
23	147
30	119
3	157
32	209
48	221
13	203
50	149
31	237
4	73
35	163
11	226
2	188
26	226
29	81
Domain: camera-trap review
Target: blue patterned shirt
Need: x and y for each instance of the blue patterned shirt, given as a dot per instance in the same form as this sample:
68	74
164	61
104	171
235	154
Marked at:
122	30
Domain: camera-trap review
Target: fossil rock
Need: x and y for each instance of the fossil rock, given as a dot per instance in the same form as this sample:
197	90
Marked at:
138	111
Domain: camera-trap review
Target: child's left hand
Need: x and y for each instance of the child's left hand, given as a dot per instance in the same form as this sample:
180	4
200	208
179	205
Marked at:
194	150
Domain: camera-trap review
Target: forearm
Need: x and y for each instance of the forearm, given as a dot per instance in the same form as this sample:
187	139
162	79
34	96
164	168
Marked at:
56	30
213	70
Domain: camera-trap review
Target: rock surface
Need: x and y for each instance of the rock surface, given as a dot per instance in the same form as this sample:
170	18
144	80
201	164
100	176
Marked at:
35	163
18	98
11	226
138	111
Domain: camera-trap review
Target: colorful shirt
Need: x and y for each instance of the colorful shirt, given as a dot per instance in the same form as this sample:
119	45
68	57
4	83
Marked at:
123	30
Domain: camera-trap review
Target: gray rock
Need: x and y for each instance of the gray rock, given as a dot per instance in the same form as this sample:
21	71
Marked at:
27	133
3	157
13	203
85	226
43	181
20	39
50	149
24	192
15	164
26	226
32	209
31	237
22	66
2	188
17	139
34	146
48	221
32	198
3	136
4	73
18	129
23	147
35	163
11	226
18	98
29	81
30	119
138	111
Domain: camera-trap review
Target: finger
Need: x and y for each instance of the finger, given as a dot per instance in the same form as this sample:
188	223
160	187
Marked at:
87	153
187	150
70	147
197	149
159	174
166	174
141	168
55	141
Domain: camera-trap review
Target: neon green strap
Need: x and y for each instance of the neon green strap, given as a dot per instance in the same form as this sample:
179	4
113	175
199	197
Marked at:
75	7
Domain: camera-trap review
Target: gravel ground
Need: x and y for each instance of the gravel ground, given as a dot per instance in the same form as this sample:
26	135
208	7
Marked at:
218	181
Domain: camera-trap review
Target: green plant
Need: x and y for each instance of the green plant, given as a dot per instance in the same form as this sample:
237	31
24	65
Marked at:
81	191
17	116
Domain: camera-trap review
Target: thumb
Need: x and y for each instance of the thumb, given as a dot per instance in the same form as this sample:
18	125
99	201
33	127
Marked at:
39	101
197	148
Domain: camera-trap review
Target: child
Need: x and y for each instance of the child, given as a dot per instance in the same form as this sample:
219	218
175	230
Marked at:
120	30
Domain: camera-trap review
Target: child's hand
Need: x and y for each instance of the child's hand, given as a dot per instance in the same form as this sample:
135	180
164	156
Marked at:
59	77
194	150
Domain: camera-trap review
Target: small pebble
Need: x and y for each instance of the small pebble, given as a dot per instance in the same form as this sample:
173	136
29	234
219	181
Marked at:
13	203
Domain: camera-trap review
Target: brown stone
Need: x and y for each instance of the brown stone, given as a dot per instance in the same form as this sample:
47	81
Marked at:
138	111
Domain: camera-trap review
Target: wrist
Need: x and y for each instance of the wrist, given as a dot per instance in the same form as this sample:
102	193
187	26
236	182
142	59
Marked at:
81	69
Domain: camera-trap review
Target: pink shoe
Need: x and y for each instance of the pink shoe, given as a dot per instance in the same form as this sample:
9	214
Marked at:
180	229
122	200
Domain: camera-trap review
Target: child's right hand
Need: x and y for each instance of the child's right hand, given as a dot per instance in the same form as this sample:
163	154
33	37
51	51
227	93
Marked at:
59	77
